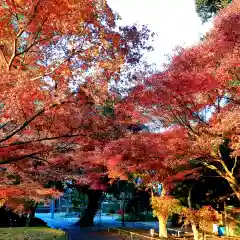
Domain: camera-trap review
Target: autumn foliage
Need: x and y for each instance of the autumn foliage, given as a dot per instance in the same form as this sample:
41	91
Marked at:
203	217
195	103
57	59
197	98
60	121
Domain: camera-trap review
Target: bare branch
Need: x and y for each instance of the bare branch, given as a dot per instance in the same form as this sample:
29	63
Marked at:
234	165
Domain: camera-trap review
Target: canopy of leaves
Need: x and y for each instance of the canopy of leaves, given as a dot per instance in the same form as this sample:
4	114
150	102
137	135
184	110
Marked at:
164	206
57	59
208	8
195	100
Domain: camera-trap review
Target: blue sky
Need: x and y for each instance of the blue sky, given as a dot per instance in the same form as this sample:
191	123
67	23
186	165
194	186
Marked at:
175	22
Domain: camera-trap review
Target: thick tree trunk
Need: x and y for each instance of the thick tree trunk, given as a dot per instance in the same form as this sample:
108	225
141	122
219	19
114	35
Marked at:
194	226
195	231
92	208
31	214
162	223
162	220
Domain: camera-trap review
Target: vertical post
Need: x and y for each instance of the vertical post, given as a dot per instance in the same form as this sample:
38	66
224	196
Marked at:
99	219
204	236
159	190
152	232
159	228
226	218
52	208
60	205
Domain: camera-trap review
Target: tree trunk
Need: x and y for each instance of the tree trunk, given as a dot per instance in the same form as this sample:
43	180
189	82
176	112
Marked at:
32	214
92	208
228	175
162	223
123	212
195	231
162	220
235	189
231	179
194	226
238	195
123	219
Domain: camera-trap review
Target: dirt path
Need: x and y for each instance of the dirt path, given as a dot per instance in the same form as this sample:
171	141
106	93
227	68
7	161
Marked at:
76	233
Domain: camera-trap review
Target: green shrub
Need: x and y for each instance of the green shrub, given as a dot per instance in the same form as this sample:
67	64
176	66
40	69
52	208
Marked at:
237	229
32	233
113	207
112	211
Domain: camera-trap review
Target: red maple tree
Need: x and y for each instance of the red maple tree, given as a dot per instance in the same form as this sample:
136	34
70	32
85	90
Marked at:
57	59
199	91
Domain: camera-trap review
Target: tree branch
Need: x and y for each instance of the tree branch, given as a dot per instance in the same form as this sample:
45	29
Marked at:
224	167
4	125
14	159
14	53
54	69
44	139
23	126
234	165
50	72
214	168
26	123
4	57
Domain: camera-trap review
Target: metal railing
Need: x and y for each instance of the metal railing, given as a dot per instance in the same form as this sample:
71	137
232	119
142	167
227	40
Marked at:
129	235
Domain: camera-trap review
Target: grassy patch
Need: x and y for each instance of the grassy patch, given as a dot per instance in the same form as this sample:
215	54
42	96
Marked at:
33	233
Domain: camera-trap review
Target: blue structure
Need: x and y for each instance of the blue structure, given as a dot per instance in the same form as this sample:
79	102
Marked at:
159	188
221	231
52	208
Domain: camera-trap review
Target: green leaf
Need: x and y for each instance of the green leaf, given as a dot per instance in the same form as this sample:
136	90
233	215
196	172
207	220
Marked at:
20	16
234	83
4	5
